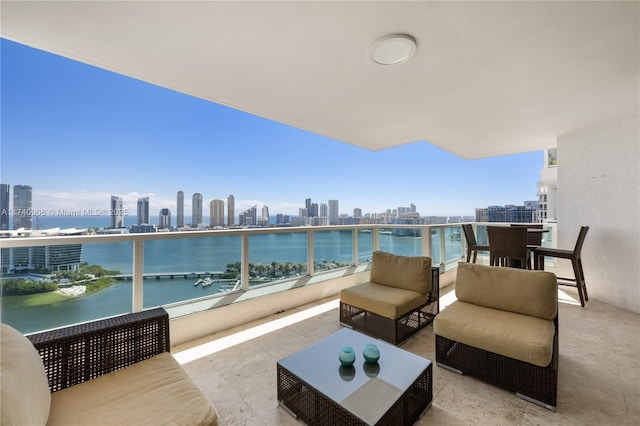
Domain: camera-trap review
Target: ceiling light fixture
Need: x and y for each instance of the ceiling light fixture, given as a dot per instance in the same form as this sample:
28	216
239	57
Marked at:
393	49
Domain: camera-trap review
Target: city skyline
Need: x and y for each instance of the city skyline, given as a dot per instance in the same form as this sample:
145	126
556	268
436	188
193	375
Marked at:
79	135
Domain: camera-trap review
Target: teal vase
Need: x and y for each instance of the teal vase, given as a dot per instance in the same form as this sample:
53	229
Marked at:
371	353
347	356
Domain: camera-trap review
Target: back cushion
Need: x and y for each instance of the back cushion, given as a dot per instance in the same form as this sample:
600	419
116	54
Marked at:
407	272
528	292
24	388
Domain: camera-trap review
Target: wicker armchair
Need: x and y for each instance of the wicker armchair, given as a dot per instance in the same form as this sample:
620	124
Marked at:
472	245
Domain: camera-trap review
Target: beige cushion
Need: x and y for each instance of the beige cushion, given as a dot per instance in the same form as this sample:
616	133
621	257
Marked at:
389	302
517	336
24	388
156	391
516	290
407	272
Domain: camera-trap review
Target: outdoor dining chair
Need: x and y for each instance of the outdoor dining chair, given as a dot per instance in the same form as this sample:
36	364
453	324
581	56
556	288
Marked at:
576	261
508	246
472	245
534	240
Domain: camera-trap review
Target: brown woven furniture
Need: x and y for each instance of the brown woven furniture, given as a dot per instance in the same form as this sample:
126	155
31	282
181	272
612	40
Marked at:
575	256
79	353
472	245
315	388
508	246
503	329
109	372
379	309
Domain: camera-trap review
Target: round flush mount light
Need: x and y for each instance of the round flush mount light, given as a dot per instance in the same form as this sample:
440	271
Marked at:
393	49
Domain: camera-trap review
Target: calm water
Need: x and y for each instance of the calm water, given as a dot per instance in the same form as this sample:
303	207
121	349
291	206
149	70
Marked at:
206	254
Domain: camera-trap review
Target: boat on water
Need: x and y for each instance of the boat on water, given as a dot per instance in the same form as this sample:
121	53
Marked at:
207	282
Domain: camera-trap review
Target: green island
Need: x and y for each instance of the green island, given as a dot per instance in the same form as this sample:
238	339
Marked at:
93	277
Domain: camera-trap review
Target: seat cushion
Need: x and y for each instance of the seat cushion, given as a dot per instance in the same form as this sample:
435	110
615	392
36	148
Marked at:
389	302
24	388
522	337
521	291
407	272
156	391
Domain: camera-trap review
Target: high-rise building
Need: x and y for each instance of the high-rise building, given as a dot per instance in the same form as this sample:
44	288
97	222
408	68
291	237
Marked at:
216	213
143	211
180	208
323	211
22	206
307	204
313	211
117	212
265	212
231	212
248	217
334	213
164	219
196	209
4	207
357	212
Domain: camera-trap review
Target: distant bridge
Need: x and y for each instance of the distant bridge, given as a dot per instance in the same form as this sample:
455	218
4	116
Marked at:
170	275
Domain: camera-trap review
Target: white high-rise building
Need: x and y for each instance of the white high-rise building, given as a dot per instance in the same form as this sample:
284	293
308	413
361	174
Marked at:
216	213
117	212
180	208
334	213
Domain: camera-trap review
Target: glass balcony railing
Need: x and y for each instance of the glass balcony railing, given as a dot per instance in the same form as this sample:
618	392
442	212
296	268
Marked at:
179	268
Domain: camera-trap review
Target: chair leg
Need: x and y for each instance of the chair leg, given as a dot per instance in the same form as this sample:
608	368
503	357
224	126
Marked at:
576	272
584	283
469	255
475	256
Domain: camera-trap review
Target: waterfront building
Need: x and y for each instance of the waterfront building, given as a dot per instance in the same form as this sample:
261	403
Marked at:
334	212
231	206
164	219
117	212
4	207
265	213
42	259
22	208
313	210
323	211
248	217
180	210
143	211
357	213
216	213
196	209
141	229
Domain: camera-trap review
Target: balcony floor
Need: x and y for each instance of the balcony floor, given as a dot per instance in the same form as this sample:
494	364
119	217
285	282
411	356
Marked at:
598	383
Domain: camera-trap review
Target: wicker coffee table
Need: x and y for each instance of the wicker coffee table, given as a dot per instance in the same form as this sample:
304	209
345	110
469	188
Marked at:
315	388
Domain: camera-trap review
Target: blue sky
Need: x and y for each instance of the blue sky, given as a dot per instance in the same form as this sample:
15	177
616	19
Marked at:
78	134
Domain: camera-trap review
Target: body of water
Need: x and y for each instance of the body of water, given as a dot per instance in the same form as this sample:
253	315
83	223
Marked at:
206	254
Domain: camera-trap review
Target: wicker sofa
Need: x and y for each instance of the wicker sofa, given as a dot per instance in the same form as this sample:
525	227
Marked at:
400	298
503	329
109	372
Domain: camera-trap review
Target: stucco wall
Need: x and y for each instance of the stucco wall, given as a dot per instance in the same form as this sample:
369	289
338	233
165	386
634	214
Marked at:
599	186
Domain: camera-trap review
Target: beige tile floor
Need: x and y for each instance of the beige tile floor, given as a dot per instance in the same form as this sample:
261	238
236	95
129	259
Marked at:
598	383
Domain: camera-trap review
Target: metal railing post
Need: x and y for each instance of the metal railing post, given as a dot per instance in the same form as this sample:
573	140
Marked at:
137	276
244	261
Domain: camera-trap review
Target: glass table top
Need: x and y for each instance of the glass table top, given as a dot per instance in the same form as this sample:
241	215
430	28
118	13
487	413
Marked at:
367	390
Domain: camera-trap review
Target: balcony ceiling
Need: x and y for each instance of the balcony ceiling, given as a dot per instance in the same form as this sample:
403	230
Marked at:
488	78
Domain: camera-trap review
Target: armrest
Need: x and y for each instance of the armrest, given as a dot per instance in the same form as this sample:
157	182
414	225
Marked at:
81	352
